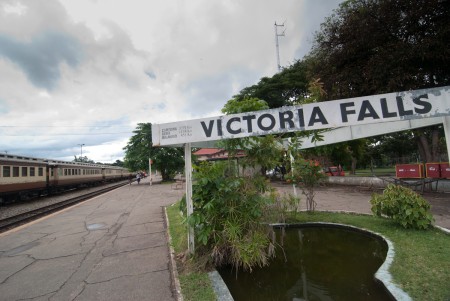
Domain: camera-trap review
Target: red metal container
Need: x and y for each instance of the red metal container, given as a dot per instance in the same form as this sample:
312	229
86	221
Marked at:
445	170
433	170
409	171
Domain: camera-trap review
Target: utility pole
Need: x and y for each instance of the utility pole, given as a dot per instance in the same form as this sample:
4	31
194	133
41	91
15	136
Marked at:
276	43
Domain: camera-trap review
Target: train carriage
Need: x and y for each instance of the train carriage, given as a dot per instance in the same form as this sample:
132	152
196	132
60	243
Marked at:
66	175
21	177
112	173
25	177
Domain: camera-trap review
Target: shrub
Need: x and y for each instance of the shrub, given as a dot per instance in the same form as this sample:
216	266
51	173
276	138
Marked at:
404	206
309	174
227	217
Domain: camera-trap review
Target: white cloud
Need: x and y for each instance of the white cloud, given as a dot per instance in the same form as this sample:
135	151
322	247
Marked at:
88	71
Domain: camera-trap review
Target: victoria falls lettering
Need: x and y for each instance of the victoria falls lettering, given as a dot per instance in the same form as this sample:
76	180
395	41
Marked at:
296	118
389	107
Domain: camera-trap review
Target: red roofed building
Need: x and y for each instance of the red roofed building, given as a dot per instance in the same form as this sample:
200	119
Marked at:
212	154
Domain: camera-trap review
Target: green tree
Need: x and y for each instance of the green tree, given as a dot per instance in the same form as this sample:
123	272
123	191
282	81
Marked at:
378	46
118	163
83	159
307	172
263	152
284	88
139	150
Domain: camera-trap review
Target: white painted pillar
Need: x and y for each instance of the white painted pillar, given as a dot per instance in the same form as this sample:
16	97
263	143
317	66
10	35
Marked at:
150	170
294	186
446	123
189	205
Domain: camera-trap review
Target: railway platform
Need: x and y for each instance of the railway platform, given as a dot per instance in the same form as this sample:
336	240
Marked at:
112	247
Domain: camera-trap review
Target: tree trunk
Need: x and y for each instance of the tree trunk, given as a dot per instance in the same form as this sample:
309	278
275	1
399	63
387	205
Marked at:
435	145
353	169
424	148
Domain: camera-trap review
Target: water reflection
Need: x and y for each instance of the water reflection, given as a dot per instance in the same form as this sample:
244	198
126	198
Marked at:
315	263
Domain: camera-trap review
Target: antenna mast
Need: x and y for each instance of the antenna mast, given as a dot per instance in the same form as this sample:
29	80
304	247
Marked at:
276	42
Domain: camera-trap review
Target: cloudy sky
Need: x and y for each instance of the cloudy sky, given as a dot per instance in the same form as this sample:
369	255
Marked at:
88	71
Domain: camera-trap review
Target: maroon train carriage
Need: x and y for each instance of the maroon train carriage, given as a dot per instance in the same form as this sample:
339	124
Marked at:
21	177
25	177
65	175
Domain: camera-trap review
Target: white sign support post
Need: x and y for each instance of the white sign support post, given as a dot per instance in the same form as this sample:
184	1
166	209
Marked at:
291	157
150	170
446	123
189	205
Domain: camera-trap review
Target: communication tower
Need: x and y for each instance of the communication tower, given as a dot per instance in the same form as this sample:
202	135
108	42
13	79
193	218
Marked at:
276	42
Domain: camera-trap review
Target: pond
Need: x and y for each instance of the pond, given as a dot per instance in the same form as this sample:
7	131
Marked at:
325	262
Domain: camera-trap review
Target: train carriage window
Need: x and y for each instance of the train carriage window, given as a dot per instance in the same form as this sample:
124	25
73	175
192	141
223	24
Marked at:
15	171
24	171
6	171
65	171
41	171
32	171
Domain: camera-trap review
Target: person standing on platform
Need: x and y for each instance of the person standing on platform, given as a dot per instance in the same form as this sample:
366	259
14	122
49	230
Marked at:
138	177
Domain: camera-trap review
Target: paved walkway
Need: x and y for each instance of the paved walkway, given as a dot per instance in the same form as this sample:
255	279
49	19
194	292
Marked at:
112	247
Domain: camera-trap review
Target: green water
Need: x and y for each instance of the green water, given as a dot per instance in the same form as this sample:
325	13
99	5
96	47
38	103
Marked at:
315	263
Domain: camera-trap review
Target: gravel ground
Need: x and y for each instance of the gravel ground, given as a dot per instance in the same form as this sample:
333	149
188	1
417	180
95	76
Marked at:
18	208
357	199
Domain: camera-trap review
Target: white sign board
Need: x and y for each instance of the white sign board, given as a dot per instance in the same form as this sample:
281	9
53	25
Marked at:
389	107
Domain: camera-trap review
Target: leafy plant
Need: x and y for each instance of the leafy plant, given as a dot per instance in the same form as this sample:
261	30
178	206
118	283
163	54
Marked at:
306	172
285	206
404	206
227	217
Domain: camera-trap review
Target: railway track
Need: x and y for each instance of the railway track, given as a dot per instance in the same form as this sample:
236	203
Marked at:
23	218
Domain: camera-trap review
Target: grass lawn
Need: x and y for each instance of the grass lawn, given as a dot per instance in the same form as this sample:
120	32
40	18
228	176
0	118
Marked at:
195	285
421	265
388	171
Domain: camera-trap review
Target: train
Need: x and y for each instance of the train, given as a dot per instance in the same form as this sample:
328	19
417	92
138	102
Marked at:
22	178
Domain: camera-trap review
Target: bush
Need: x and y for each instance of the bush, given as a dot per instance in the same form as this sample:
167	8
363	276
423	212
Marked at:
227	217
309	173
404	206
